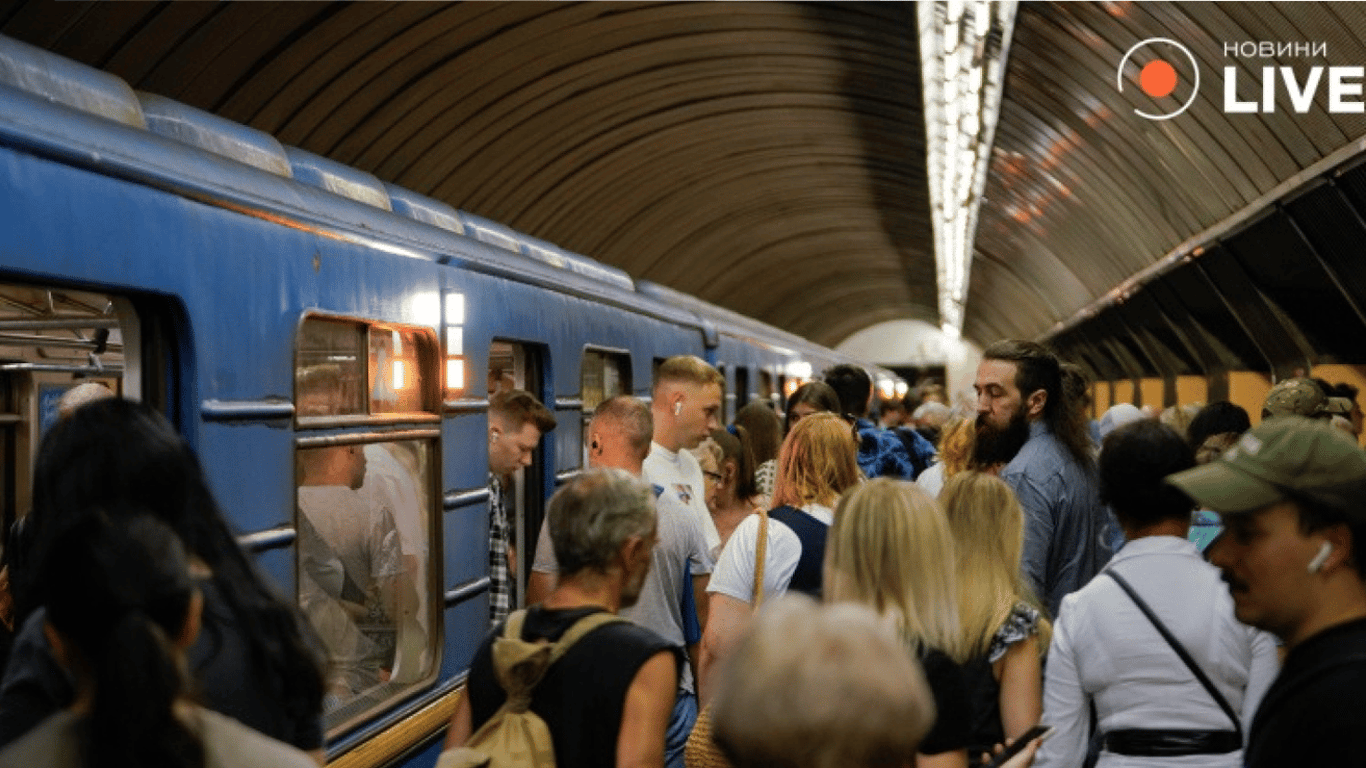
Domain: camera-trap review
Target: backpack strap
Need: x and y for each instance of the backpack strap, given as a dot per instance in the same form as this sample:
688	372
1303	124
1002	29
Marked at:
580	628
760	554
1180	650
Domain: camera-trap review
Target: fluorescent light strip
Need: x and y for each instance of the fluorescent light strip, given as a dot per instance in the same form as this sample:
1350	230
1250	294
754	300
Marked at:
963	48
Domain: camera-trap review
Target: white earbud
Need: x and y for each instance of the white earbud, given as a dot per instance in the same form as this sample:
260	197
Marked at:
1316	564
678	408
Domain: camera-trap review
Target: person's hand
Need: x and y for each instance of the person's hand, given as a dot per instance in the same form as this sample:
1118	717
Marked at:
1022	759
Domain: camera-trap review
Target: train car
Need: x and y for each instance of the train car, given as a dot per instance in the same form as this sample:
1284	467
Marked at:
276	306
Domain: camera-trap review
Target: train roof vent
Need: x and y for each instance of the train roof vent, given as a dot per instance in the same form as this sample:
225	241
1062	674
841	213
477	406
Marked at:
491	232
64	81
598	271
215	134
421	208
337	178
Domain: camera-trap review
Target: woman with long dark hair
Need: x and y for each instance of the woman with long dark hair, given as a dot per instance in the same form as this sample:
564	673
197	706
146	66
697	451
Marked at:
121	607
255	659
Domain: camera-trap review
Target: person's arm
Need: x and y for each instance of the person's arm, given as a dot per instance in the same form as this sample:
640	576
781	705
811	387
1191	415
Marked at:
545	570
645	717
700	598
1021	695
459	731
1066	706
954	758
726	622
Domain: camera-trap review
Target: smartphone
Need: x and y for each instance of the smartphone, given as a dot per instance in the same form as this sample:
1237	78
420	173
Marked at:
1038	731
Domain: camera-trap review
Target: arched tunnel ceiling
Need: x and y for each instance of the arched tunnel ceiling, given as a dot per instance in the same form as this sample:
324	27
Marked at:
767	157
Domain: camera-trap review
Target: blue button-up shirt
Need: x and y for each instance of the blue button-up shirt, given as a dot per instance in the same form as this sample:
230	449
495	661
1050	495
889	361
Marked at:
1068	534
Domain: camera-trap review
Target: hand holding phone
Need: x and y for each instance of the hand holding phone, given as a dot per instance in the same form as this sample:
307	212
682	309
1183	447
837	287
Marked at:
1017	746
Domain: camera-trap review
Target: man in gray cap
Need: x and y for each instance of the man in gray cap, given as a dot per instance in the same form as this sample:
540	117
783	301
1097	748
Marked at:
1292	493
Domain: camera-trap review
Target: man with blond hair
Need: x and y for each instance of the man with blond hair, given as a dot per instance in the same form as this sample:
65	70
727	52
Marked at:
686	407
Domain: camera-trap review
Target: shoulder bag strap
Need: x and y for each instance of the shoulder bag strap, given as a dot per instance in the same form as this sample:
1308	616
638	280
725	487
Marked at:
1180	650
760	552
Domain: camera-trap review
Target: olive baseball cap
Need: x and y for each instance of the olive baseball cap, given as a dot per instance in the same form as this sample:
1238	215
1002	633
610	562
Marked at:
1284	457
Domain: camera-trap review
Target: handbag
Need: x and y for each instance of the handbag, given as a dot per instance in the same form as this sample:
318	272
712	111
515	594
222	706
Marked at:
701	751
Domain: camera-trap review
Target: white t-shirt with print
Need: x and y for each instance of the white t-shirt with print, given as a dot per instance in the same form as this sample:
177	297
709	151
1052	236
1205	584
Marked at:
679	474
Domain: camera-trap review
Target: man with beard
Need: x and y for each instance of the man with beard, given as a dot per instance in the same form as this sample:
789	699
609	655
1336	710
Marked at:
608	700
1025	422
1292	495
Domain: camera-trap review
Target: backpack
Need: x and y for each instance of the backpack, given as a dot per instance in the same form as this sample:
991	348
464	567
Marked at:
516	737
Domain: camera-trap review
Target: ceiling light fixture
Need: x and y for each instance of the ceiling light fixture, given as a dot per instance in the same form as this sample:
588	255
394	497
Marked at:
963	47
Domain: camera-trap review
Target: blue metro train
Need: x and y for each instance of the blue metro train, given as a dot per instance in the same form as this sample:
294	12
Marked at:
201	266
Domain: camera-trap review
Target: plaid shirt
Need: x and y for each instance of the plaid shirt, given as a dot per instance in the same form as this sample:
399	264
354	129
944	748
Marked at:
501	586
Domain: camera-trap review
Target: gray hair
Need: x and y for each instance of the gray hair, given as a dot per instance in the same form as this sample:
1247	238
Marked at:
594	514
632	417
816	686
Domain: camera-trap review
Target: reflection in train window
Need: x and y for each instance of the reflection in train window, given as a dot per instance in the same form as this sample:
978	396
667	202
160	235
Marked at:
364	559
366	500
51	341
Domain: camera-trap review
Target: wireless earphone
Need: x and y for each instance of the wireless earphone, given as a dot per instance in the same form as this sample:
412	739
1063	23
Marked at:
1316	564
678	408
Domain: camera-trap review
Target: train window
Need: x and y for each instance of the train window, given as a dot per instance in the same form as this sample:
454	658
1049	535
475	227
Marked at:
741	387
396	374
455	345
366	565
768	391
52	340
603	375
333	350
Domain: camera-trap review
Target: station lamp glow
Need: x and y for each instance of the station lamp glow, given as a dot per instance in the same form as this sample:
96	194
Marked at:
963	48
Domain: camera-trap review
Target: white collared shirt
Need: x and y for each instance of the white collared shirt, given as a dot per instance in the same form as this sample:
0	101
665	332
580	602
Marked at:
1105	650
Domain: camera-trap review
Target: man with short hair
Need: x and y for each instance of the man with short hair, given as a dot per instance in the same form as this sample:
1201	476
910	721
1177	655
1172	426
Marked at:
1025	422
516	422
902	455
1292	494
619	438
686	405
607	700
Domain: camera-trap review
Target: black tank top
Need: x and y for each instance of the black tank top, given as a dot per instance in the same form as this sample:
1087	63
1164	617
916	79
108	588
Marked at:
581	697
812	534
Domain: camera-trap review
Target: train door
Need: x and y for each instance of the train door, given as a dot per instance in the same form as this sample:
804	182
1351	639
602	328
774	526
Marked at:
514	365
366	451
768	391
54	340
741	388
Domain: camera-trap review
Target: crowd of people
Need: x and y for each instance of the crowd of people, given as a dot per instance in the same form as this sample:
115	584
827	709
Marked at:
813	588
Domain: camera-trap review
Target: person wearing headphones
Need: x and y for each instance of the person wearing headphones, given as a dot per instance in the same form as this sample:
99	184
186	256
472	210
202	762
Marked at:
1292	495
686	407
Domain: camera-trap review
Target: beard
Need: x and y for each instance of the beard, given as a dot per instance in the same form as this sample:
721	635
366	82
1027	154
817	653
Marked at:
998	446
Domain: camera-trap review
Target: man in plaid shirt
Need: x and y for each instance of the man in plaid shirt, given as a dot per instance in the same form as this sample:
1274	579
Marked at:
516	422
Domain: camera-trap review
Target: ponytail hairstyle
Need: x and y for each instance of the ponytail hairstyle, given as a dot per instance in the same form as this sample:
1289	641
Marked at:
119	454
120	595
734	444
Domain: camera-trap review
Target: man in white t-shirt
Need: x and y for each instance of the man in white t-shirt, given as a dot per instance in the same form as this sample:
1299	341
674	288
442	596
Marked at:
686	407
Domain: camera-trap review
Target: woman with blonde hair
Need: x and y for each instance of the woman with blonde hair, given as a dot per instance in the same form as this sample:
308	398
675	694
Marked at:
817	463
890	549
1006	630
